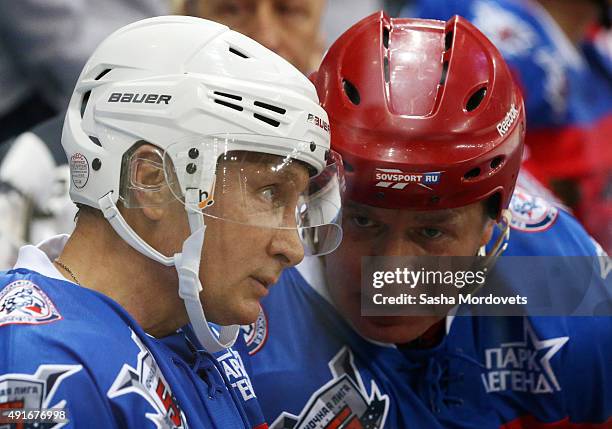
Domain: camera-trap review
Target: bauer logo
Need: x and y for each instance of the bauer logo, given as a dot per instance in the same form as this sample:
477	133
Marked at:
321	123
396	179
506	124
128	97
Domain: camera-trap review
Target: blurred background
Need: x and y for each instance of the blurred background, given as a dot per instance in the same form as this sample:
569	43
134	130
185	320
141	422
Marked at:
560	52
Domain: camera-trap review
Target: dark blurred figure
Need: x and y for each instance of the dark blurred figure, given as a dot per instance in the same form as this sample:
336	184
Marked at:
560	52
43	47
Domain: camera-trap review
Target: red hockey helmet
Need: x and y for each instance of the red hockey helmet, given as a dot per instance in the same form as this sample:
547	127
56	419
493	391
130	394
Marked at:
425	113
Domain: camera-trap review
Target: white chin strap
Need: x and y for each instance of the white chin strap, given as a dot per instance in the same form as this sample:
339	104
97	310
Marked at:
501	244
187	264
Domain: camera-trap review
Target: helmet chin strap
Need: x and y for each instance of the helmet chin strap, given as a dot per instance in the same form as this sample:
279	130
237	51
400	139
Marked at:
501	244
187	264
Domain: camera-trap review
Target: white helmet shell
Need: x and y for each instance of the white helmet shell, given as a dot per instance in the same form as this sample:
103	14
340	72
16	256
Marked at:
171	78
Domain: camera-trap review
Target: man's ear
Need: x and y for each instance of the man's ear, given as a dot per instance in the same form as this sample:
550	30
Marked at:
487	232
147	187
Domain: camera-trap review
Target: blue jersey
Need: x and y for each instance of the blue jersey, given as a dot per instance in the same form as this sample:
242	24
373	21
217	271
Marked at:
71	349
312	370
568	96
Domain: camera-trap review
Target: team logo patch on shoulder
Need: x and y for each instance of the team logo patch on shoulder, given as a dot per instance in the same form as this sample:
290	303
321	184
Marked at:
531	213
341	403
256	334
24	303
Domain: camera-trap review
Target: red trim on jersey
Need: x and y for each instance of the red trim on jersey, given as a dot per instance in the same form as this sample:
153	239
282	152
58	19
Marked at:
530	422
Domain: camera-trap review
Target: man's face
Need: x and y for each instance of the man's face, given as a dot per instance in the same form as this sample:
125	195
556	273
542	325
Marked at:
251	236
370	231
288	27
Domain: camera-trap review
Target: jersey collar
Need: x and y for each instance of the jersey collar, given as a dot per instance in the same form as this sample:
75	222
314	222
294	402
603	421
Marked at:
40	258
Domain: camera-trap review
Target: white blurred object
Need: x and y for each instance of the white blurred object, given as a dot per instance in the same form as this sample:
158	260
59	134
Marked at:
34	201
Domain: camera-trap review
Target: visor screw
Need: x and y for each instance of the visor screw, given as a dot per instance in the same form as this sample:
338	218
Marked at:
313	146
380	195
435	199
96	164
194	153
191	168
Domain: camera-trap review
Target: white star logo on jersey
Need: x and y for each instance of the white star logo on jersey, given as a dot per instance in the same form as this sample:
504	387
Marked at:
148	381
515	366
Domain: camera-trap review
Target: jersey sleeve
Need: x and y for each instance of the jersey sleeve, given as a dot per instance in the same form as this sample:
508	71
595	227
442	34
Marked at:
588	387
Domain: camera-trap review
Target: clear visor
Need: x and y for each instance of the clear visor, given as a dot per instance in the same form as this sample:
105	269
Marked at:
264	182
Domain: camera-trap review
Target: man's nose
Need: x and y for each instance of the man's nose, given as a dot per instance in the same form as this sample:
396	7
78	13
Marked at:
285	245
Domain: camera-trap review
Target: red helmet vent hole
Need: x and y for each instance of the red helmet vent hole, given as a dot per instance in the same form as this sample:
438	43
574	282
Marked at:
347	167
444	73
385	38
351	92
472	174
497	162
476	99
387	72
448	40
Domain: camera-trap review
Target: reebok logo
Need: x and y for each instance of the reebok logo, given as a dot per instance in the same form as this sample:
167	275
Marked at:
504	126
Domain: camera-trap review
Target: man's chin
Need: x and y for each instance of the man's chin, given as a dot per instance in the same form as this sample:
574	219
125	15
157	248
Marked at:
243	313
396	330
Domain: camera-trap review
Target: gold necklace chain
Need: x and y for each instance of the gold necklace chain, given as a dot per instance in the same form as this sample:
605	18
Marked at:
68	270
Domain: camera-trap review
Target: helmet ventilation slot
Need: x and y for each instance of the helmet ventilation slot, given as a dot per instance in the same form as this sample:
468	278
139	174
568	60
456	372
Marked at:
237	52
84	102
267	120
472	174
385	37
476	99
448	41
351	92
225	94
228	104
386	69
95	141
101	75
444	73
271	107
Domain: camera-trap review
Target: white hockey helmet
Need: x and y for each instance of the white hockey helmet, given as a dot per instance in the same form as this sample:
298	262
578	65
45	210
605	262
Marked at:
202	94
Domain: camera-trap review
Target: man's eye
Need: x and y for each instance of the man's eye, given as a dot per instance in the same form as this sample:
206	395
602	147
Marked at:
363	222
431	233
268	193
